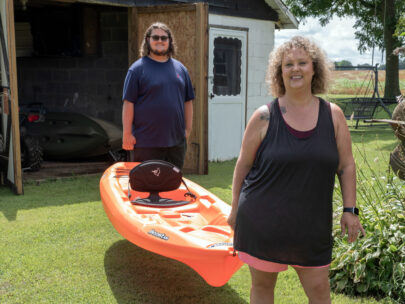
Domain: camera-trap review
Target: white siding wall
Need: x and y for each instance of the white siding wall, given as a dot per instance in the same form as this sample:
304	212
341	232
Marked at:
260	44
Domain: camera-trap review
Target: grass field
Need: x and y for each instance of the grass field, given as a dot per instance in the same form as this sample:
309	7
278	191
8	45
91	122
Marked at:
58	246
360	83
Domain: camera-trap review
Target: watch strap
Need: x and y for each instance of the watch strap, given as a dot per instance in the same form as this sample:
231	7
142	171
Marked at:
352	210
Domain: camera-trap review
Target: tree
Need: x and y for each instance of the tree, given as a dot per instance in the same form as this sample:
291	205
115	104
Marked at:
376	22
343	63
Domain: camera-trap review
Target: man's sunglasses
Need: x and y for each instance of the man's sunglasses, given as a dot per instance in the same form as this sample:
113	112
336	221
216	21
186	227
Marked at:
157	37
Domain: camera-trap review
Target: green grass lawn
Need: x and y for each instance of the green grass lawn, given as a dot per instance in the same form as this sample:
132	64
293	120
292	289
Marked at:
58	246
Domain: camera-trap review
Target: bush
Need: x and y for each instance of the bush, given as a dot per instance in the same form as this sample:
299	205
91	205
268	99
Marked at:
375	264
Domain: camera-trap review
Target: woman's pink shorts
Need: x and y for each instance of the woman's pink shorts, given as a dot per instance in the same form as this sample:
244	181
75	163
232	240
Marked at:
267	266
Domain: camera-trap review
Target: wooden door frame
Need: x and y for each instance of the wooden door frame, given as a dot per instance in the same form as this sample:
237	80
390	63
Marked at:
14	136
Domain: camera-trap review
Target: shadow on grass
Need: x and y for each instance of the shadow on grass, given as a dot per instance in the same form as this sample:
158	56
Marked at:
136	275
49	193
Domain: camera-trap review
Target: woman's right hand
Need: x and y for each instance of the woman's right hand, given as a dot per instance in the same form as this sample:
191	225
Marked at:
128	141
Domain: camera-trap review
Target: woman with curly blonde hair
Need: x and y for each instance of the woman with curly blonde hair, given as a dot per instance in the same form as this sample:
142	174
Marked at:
284	177
321	66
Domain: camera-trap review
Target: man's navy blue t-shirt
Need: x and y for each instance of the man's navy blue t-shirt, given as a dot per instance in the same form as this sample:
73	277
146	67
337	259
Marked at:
158	91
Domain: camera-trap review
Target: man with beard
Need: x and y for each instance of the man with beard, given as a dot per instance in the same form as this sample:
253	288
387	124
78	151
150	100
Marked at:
157	108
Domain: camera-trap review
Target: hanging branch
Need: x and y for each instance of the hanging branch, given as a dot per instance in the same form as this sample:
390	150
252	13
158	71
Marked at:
399	50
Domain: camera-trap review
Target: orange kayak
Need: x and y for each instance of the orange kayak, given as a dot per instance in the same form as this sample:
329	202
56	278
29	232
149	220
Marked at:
195	233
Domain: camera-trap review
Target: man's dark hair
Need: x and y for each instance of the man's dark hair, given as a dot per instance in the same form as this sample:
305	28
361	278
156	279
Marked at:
145	46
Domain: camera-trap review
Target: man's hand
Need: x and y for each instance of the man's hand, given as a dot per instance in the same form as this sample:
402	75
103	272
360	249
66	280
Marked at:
188	133
350	223
128	141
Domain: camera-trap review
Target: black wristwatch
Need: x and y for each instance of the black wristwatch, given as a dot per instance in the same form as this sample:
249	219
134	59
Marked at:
352	210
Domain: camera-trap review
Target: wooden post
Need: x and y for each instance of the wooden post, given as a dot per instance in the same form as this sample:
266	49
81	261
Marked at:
202	85
15	125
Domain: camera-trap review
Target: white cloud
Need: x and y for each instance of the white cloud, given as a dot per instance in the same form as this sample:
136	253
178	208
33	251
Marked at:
336	38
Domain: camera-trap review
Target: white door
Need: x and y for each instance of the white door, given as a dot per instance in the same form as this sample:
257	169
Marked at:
226	92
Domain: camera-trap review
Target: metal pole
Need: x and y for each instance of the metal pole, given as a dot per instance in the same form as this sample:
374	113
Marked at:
376	81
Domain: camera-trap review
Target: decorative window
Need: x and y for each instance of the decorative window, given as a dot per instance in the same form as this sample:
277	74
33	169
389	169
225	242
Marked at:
227	66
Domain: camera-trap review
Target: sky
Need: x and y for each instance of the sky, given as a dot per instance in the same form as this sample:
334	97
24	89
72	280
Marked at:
336	38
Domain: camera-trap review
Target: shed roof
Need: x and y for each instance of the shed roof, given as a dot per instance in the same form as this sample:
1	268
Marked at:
286	19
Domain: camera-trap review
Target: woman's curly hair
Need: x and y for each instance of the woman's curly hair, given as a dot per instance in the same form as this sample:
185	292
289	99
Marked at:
321	65
144	50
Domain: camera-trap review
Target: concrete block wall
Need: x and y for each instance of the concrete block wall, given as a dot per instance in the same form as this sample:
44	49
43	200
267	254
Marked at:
90	84
260	44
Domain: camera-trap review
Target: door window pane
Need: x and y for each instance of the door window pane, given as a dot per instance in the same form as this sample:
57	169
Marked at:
227	66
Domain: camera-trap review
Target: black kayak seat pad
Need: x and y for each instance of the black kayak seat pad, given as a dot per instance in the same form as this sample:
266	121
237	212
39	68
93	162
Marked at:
156	176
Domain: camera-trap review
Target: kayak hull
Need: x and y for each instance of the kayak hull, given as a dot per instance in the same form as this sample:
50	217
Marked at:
195	234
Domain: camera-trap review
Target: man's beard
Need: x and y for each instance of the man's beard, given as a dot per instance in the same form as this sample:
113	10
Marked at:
159	53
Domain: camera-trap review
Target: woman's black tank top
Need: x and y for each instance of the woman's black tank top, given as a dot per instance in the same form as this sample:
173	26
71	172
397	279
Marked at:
285	204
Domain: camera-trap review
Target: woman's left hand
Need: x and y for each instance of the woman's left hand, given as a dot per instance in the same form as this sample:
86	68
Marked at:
232	219
350	223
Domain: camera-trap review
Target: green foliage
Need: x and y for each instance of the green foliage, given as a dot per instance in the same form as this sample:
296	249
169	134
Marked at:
375	264
400	30
343	63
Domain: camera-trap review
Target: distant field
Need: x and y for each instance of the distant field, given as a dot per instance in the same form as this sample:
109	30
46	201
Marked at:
360	83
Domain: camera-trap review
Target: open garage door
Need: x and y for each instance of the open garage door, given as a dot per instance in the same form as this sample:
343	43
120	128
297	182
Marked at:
189	23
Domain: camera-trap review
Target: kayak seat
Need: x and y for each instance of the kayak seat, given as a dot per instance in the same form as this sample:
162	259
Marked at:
155	176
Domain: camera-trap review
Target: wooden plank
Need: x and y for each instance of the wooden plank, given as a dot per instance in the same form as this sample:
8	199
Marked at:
15	126
202	84
389	121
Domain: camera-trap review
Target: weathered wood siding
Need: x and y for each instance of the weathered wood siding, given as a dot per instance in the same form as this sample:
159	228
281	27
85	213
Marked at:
189	25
